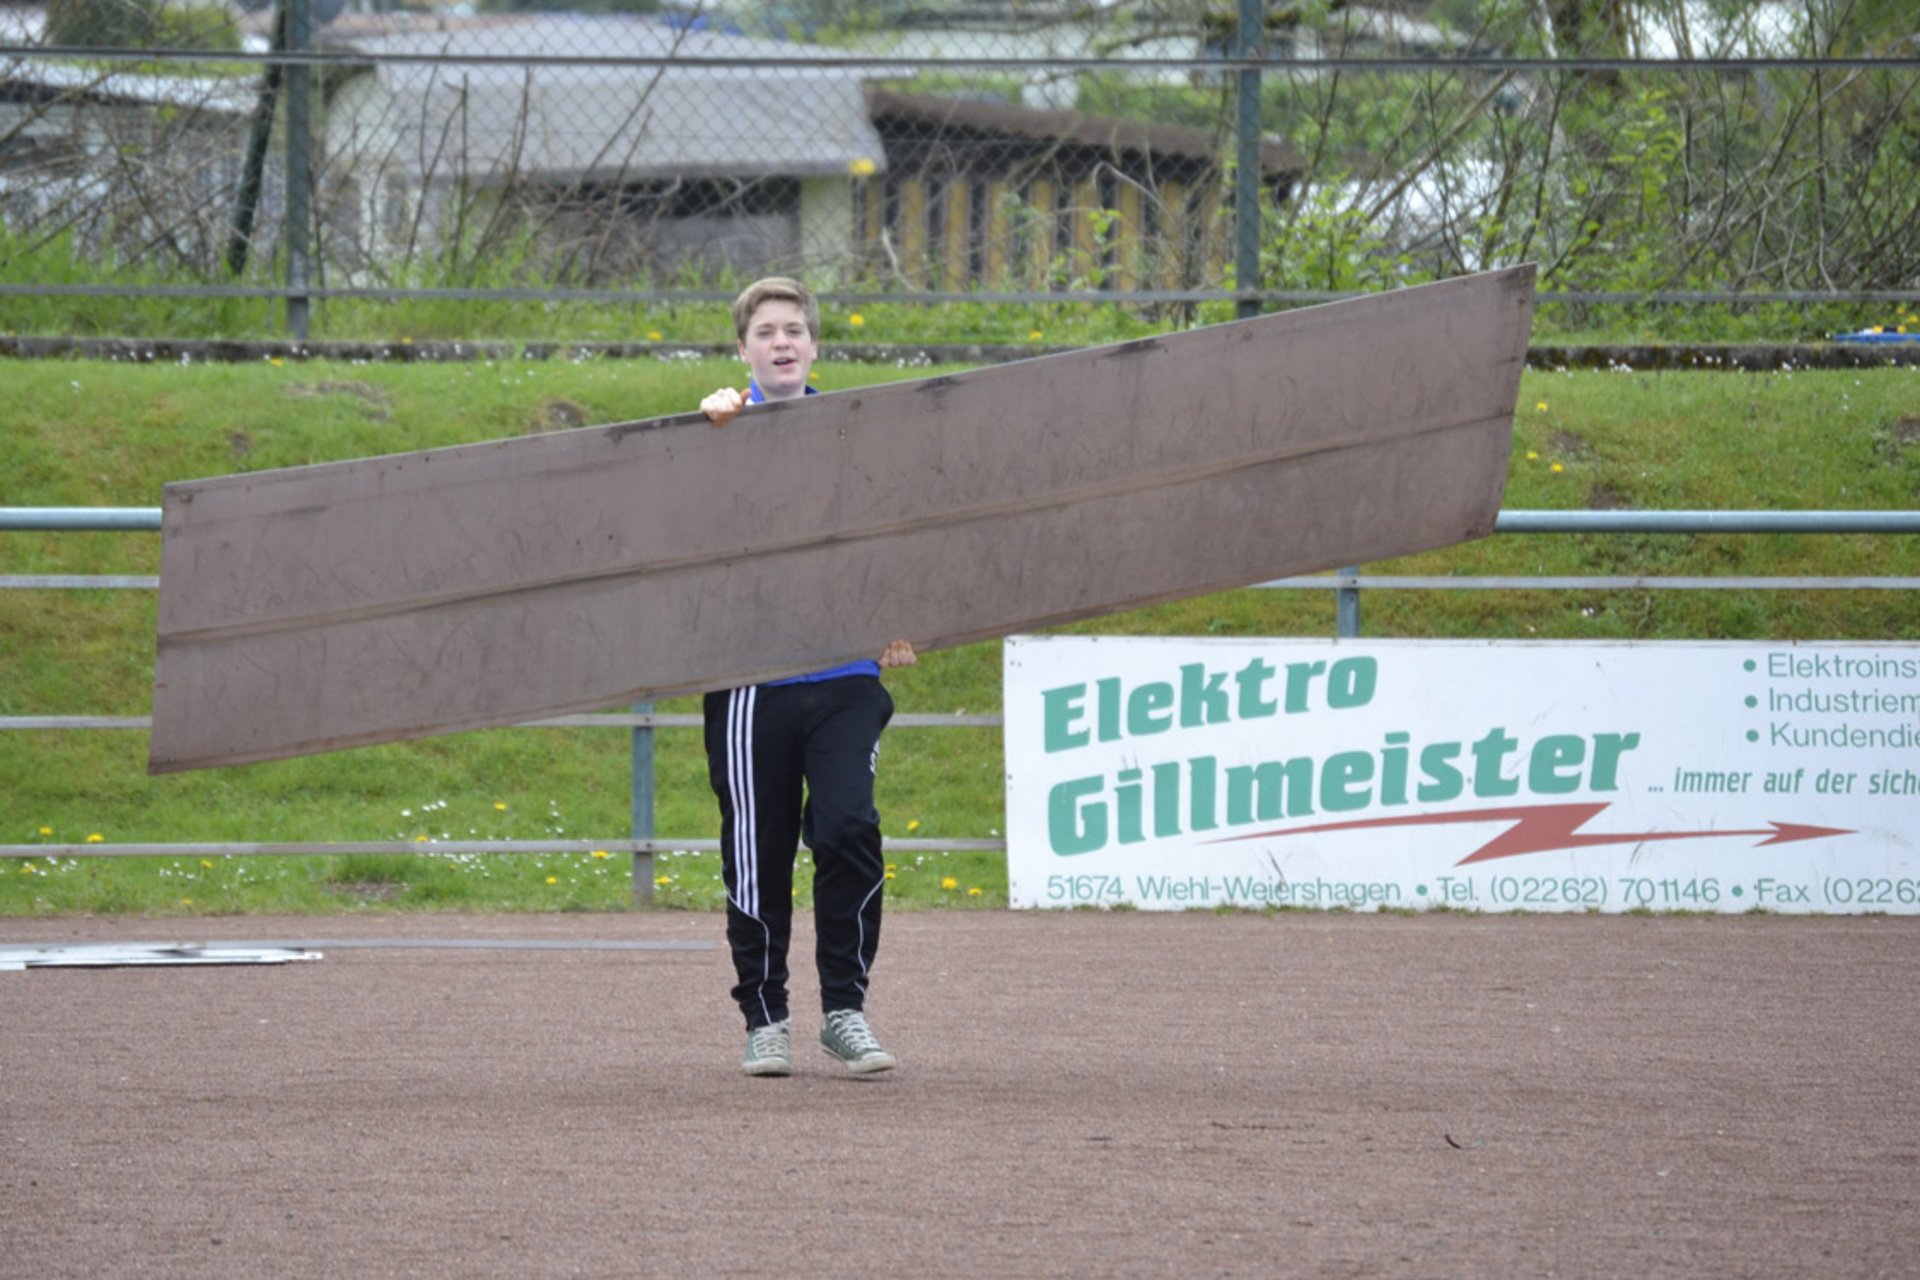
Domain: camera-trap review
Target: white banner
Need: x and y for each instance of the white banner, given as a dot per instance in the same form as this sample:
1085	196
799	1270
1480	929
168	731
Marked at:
1480	775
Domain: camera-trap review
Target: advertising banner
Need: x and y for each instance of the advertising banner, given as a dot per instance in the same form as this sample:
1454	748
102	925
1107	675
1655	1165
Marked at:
1480	775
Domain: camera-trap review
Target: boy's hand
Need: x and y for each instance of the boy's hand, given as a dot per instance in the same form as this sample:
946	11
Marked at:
723	406
899	654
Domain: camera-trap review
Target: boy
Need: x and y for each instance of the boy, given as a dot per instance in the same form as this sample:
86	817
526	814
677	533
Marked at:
764	741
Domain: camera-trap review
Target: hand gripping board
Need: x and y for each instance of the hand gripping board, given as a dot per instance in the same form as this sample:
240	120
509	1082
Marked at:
385	598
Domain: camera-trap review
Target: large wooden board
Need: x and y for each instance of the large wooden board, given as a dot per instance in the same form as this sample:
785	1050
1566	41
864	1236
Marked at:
386	598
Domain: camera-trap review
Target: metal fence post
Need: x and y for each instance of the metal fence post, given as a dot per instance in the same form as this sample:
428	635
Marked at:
299	168
1347	607
642	805
1247	175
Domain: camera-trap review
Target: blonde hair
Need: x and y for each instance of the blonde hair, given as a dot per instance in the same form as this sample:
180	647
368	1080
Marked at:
775	289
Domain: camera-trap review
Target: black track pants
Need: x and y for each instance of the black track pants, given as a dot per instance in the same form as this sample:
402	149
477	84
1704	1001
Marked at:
763	743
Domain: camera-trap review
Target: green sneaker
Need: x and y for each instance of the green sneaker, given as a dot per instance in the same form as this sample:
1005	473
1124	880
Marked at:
769	1050
846	1036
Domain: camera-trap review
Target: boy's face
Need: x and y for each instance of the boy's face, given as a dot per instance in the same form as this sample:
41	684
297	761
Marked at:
779	349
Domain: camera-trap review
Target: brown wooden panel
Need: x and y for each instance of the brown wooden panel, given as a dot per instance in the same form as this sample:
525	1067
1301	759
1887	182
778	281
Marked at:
996	233
1129	238
396	597
1040	233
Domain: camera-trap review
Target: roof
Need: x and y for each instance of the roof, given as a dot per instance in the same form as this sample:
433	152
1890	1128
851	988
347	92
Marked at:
227	95
1107	133
737	120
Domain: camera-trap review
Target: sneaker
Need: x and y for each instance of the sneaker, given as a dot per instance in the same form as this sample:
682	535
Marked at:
846	1036
769	1050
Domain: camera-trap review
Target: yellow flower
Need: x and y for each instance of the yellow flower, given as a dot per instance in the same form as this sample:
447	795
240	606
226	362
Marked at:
914	825
275	361
501	805
406	341
95	838
27	870
1034	336
889	875
601	853
186	902
856	319
1532	456
653	335
863	167
893	866
46	831
419	839
1557	468
1541	406
553	879
663	880
974	892
948	882
205	863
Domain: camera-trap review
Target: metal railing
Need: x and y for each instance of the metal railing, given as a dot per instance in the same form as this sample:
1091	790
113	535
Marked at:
642	720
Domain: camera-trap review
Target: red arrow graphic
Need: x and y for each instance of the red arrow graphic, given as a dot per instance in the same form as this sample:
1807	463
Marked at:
1540	828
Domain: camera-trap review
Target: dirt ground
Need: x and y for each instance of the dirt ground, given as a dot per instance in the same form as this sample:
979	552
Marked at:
1079	1094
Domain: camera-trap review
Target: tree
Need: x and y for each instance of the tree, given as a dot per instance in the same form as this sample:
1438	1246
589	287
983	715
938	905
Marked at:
1589	28
1867	27
140	24
101	24
1606	28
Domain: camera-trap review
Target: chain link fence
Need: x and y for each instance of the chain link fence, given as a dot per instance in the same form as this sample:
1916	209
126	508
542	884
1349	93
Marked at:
1046	149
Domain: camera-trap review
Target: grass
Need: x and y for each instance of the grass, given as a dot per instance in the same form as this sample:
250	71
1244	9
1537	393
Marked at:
83	434
905	323
56	260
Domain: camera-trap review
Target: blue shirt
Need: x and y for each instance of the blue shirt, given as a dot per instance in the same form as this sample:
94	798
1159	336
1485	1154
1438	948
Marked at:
863	667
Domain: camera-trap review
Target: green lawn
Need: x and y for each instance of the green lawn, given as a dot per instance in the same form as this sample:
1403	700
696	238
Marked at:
84	434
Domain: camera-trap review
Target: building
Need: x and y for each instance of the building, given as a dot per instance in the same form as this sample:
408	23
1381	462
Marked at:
712	150
123	161
989	194
502	141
